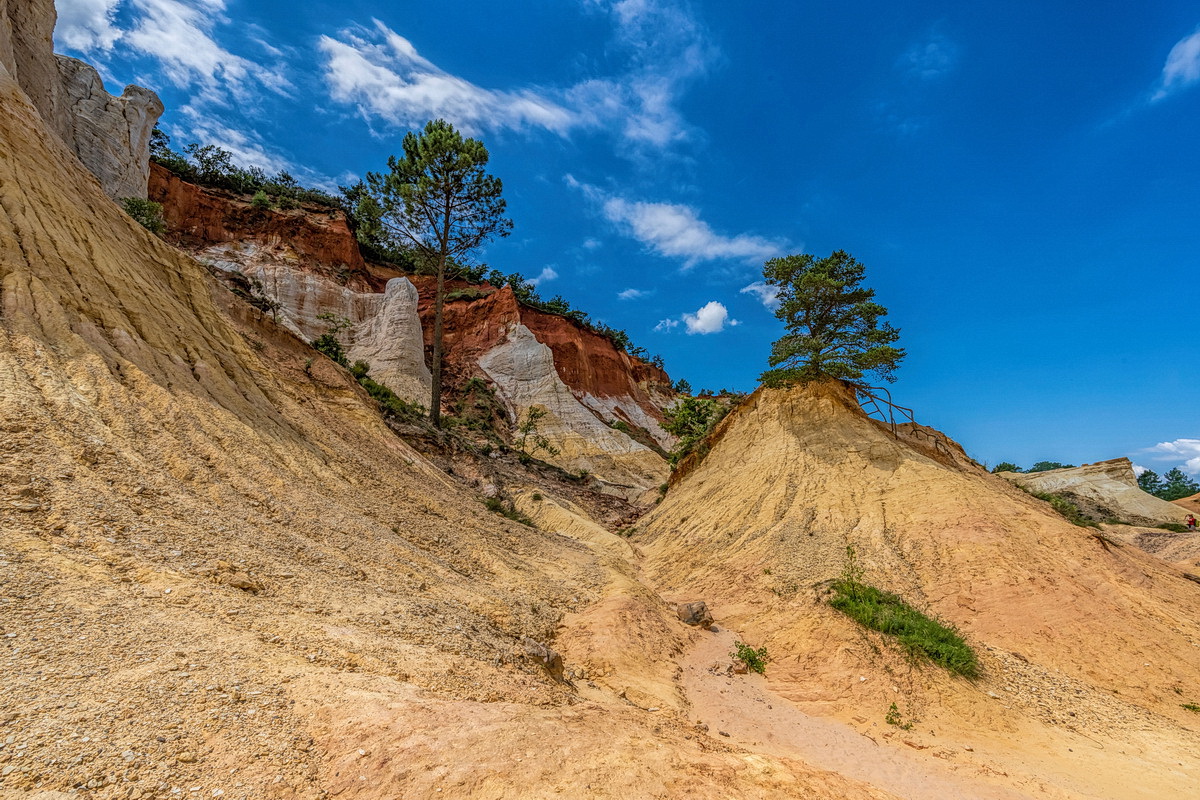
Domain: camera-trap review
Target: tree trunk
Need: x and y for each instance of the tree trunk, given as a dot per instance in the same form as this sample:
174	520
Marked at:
435	403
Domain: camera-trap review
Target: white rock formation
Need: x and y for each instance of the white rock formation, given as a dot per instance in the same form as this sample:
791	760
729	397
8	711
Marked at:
111	135
1110	484
385	329
522	369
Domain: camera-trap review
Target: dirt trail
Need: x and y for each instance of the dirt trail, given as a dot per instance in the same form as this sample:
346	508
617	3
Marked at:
759	720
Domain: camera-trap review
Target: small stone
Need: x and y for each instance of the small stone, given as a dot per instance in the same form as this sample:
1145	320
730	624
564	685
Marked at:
186	757
723	733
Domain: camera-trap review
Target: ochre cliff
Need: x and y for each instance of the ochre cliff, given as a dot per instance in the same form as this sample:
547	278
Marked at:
198	218
308	261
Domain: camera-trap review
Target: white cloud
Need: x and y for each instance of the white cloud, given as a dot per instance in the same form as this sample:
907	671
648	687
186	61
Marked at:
592	244
665	325
766	294
676	231
86	25
1138	469
246	149
1185	450
631	294
547	274
1182	68
712	317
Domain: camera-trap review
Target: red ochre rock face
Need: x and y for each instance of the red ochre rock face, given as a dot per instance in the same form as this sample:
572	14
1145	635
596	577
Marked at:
585	361
197	217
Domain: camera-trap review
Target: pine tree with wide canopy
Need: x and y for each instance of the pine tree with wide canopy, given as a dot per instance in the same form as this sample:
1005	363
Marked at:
440	200
834	327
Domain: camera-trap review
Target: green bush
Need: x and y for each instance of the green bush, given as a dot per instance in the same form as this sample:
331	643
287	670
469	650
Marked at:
755	660
506	510
1067	509
260	200
1175	527
146	213
885	612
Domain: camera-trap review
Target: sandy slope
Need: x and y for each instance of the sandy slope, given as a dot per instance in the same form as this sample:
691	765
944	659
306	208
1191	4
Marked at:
1088	650
222	576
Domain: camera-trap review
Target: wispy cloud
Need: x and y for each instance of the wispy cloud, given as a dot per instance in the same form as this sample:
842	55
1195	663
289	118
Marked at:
381	72
1182	69
87	25
766	294
931	58
632	294
674	230
662	47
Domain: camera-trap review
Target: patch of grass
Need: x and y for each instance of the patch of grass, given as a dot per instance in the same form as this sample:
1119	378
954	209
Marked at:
506	510
885	612
893	718
1191	707
1174	527
755	660
1067	509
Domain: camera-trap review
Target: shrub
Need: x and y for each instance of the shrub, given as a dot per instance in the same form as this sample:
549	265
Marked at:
755	660
1067	509
885	612
146	213
1174	527
260	200
692	419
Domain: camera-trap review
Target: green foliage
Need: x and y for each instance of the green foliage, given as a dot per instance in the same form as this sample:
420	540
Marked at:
1150	482
682	386
146	213
261	201
893	718
329	342
213	167
1046	466
1174	527
755	660
1177	485
1006	466
1067	508
834	328
692	419
1190	707
920	635
529	441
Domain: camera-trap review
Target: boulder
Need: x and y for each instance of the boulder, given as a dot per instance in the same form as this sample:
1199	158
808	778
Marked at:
696	613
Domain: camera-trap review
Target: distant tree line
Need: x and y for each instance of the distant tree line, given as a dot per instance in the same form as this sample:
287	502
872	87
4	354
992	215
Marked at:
1041	466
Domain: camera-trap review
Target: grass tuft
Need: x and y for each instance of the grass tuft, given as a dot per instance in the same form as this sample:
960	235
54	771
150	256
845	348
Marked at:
885	612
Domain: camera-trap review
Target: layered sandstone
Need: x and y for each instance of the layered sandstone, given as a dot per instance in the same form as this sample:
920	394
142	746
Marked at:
110	135
1108	487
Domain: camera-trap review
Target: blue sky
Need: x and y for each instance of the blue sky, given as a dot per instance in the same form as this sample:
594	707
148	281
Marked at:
1020	179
